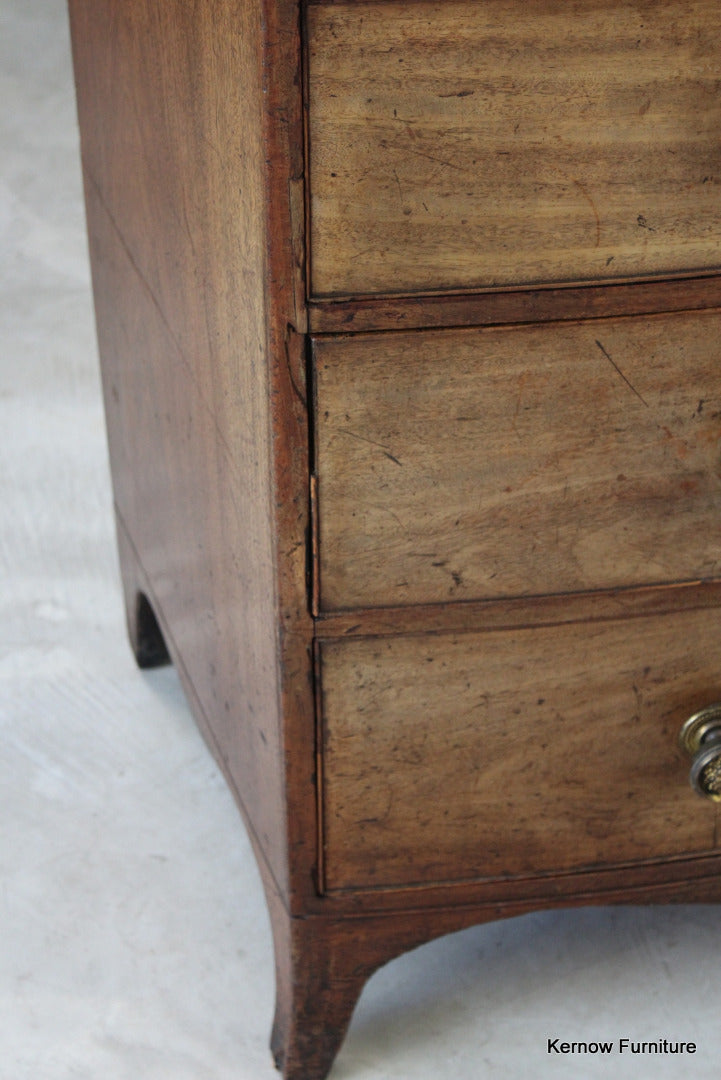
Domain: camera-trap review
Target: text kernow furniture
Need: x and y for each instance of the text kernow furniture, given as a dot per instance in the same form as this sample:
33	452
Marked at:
410	325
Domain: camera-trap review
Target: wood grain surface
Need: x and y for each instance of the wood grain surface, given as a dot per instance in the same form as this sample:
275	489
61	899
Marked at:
468	464
512	753
457	145
526	305
175	147
520	612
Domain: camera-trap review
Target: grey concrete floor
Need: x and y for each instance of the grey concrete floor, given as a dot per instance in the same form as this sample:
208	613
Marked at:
133	936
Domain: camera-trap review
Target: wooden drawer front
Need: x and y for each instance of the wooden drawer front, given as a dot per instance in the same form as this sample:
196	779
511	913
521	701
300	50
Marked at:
513	752
472	464
463	145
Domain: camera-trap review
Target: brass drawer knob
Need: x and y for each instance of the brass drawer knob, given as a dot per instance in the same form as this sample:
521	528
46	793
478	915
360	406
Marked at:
700	737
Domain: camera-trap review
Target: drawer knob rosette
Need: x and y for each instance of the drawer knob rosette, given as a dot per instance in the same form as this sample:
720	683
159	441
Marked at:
700	737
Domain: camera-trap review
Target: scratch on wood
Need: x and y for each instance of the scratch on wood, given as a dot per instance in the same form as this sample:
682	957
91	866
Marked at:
616	368
362	438
421	153
289	333
387	510
582	188
400	189
390	456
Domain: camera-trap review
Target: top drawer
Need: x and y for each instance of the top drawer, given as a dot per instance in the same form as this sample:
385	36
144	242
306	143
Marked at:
464	145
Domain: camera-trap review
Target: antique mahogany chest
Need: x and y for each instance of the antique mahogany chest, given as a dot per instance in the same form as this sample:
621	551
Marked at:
410	320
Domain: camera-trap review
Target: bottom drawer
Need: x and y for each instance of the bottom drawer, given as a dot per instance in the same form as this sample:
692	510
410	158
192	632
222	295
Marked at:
460	757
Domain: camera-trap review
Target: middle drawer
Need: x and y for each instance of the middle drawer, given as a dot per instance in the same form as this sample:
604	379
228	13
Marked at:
514	461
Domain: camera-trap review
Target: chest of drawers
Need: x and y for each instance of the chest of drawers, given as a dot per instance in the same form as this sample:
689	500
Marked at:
409	320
